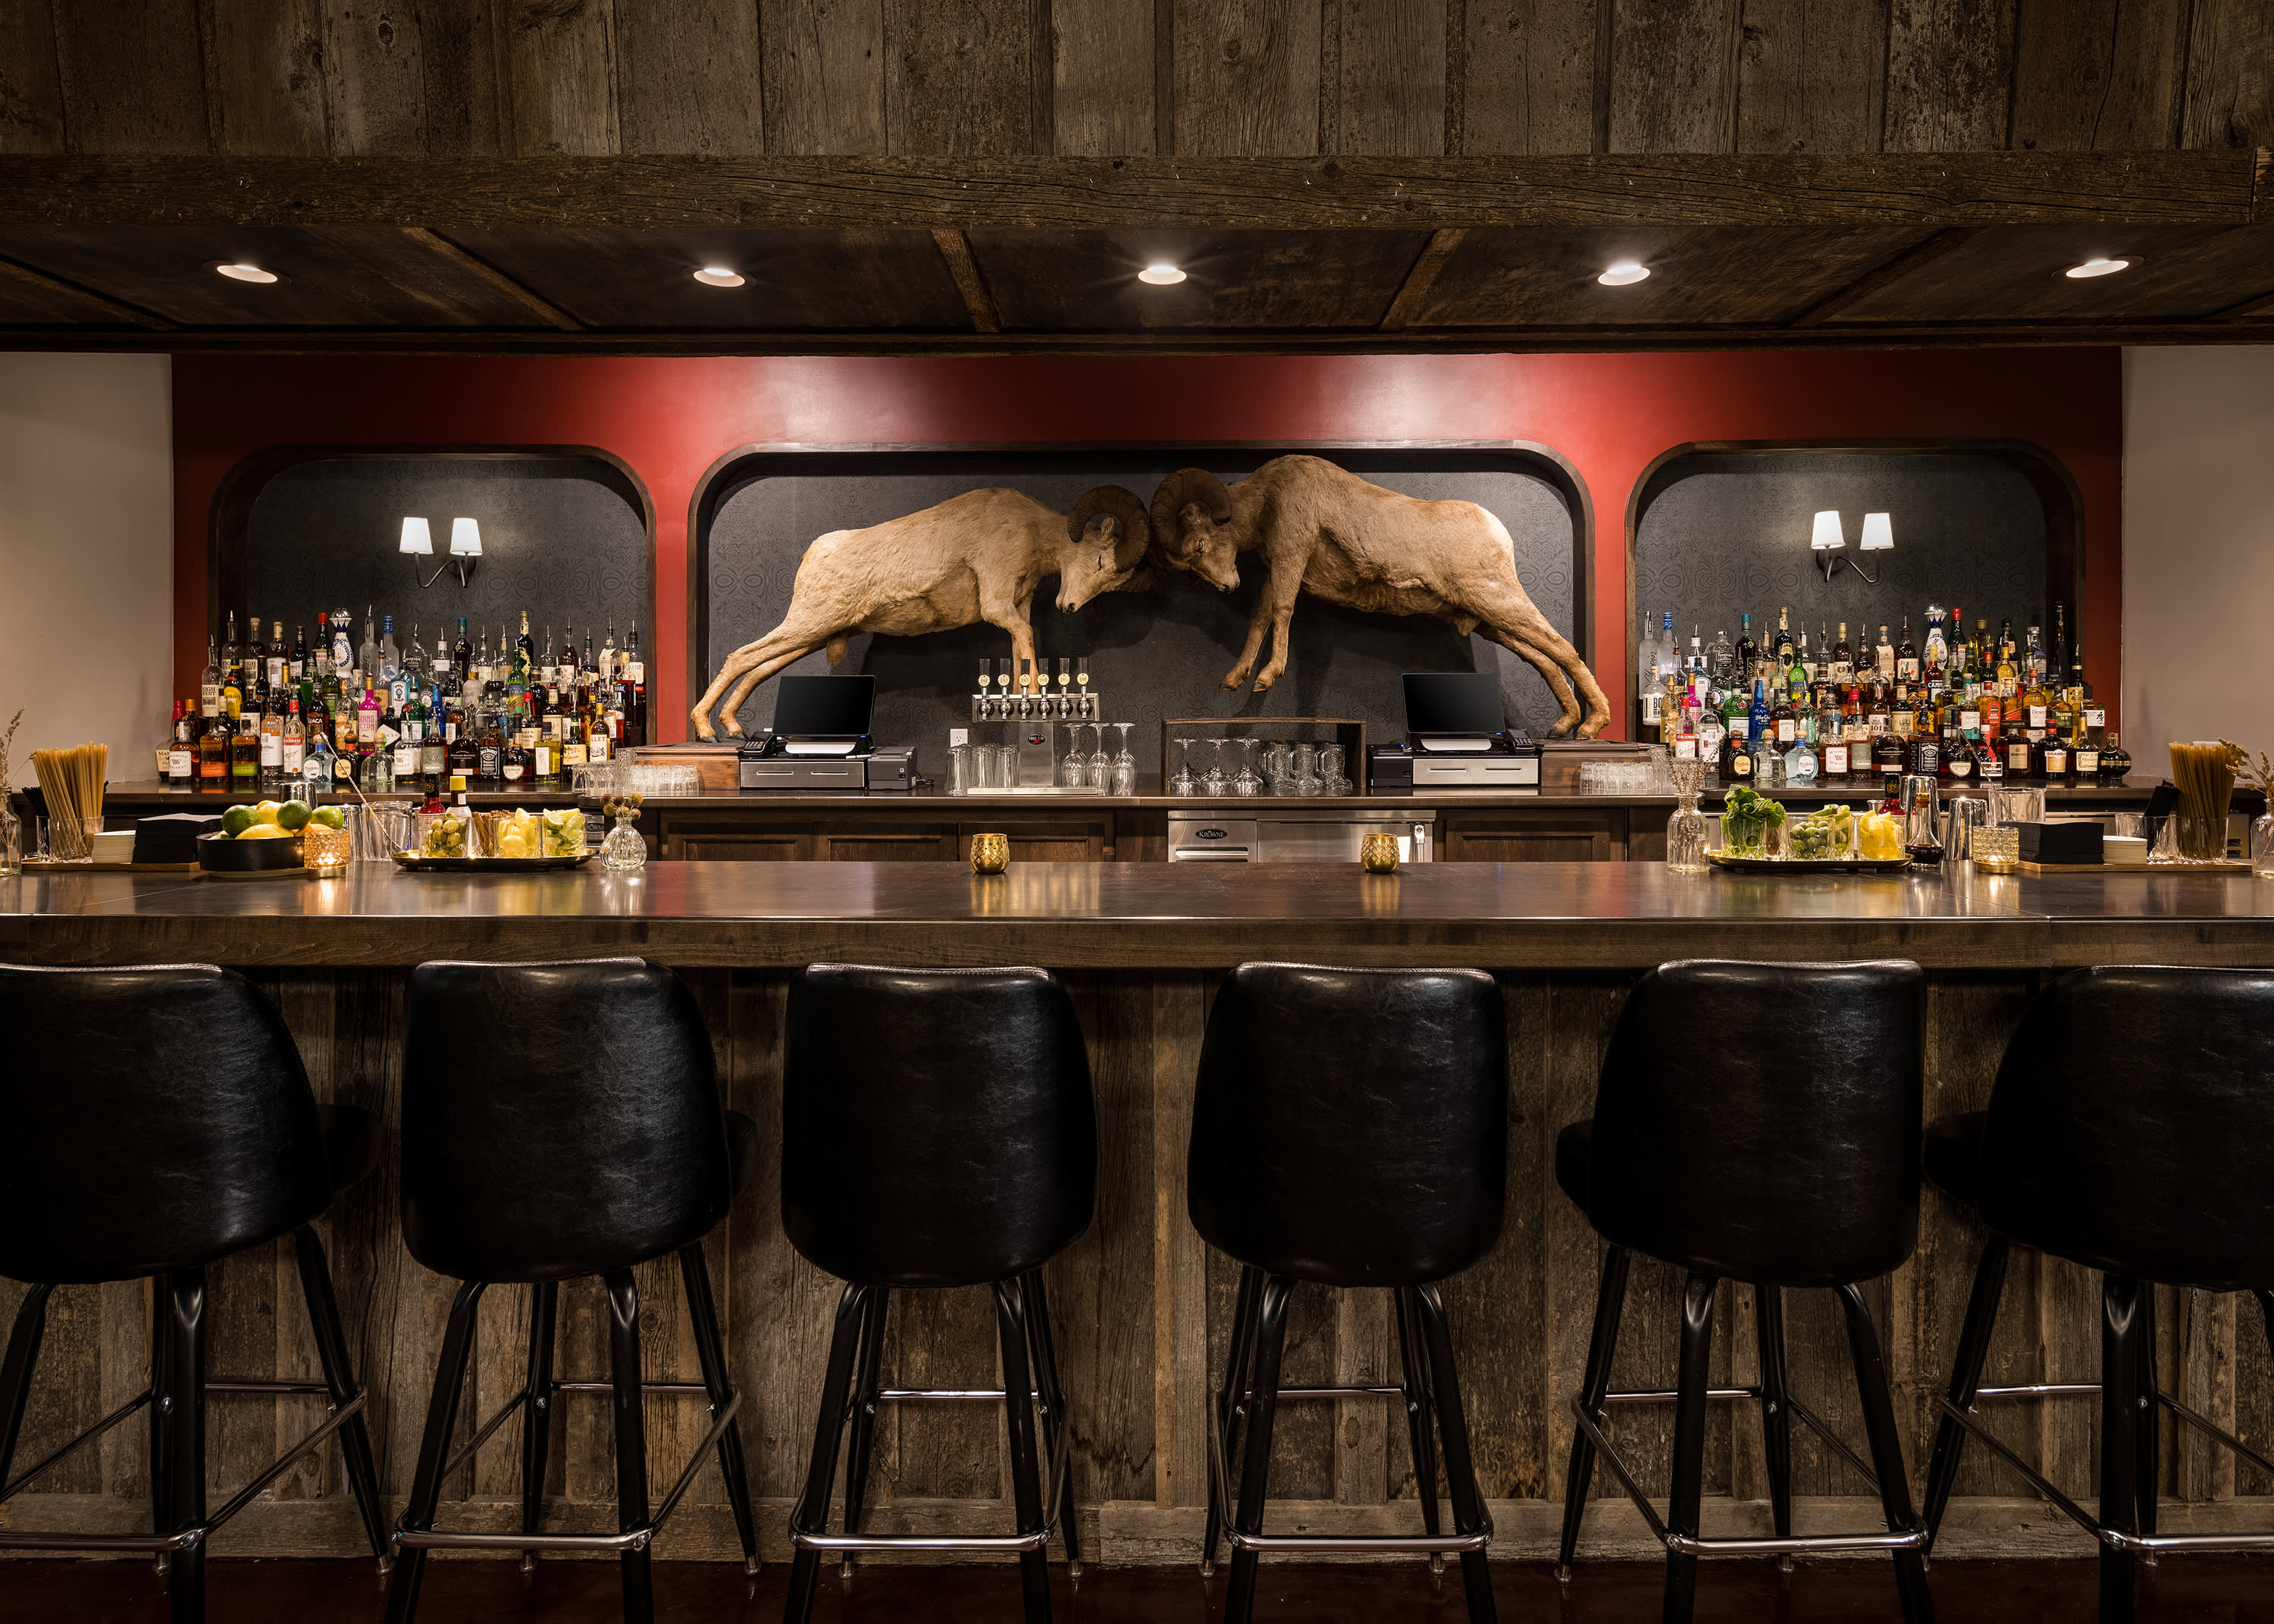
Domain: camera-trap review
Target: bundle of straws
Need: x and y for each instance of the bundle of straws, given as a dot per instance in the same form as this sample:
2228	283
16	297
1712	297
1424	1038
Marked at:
72	781
2204	775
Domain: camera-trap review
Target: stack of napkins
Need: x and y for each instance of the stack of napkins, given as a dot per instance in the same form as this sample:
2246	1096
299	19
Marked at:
172	837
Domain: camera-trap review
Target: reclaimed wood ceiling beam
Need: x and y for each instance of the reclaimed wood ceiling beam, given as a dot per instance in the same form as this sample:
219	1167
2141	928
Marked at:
1062	195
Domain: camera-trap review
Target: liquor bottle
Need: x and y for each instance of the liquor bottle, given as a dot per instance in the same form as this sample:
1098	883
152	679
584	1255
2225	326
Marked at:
214	737
292	746
1737	758
209	679
2058	655
1926	754
483	669
607	666
230	653
278	661
1799	674
1843	657
1784	722
636	689
2035	710
245	754
524	653
342	655
1742	673
590	667
1934	660
2020	761
390	657
367	650
2083	760
1720	656
463	756
299	661
1786	650
1959	761
2115	761
1653	703
515	760
367	724
489	747
1835	760
1990	761
272	751
408	735
2053	759
462	658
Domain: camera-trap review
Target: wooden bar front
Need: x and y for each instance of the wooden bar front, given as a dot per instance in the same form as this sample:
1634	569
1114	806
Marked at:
1143	1307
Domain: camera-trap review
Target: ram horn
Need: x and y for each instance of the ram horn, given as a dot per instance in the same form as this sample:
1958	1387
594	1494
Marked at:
1178	491
1119	503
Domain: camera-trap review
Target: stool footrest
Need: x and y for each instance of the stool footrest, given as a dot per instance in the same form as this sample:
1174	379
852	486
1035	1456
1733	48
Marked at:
1444	1544
2115	1539
804	1536
629	1539
1696	1544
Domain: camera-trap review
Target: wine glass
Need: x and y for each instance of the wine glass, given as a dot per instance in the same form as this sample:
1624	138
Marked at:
1247	783
1216	783
1101	769
1124	764
1072	771
1183	783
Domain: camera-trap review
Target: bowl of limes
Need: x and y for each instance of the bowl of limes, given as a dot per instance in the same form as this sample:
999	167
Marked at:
266	837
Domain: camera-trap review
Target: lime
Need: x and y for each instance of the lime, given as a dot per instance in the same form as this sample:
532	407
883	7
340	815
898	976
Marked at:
330	817
293	814
237	820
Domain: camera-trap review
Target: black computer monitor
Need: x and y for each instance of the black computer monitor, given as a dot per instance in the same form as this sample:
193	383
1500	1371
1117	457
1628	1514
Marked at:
1453	702
824	707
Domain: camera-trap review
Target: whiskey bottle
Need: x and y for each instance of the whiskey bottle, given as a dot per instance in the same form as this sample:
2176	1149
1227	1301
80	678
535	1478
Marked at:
1843	656
1907	654
490	750
182	753
2115	761
245	754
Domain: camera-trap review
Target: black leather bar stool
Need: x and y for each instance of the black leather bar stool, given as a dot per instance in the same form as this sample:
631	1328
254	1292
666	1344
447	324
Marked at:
1350	1128
1757	1122
159	1120
2131	1129
560	1121
937	1131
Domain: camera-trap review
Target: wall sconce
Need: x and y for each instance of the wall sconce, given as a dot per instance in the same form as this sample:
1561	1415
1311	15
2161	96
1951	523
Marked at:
1829	542
465	547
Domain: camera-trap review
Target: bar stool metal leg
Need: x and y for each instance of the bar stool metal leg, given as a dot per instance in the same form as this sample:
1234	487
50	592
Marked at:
711	1351
1269	1334
1965	1379
537	1412
161	1372
631	1443
24	1340
813	1508
186	1447
1460	1468
860	1444
1011	1311
331	1355
1886	1452
1228	1410
1689	1462
2119	1483
1602	1343
2146	1447
434	1449
1776	1409
1057	1418
1414	1358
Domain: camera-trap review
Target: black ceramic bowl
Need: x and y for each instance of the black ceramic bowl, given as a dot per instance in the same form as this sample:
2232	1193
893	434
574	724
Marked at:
218	853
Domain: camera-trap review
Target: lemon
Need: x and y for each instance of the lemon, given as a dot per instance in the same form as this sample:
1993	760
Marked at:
266	831
265	811
236	821
293	814
330	817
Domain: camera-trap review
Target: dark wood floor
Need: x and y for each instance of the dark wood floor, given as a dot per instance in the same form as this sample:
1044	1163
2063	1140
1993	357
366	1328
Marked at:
2228	1590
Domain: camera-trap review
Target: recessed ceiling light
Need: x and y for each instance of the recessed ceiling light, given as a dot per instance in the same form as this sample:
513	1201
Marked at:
1624	273
1161	276
2096	267
242	271
718	276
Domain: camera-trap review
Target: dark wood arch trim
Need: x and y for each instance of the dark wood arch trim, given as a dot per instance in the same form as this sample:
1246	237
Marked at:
240	488
2048	478
732	469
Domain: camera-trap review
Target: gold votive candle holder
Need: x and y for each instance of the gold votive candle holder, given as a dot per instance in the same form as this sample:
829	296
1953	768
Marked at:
990	853
325	849
1996	850
1378	854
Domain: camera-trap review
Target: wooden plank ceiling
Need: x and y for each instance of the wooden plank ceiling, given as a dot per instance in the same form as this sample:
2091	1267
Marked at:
990	175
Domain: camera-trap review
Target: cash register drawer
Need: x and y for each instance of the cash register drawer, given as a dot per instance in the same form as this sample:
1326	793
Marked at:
791	772
1330	835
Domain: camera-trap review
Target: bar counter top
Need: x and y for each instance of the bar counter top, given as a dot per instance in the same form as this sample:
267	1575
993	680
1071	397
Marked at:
1108	915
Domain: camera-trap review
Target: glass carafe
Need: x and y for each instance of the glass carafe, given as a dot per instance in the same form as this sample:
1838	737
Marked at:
1687	830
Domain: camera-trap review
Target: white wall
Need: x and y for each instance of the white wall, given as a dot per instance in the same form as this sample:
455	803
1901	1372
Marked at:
2198	549
87	555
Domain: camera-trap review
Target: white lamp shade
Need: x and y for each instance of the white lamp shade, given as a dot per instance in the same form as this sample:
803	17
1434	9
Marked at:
465	538
1879	533
416	537
1827	534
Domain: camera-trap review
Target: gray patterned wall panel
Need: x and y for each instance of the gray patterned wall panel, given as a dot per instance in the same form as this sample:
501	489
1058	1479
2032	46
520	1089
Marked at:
563	538
1721	533
1155	654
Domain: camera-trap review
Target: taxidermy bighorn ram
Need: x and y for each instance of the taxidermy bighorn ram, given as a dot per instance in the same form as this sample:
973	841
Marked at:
974	557
1324	530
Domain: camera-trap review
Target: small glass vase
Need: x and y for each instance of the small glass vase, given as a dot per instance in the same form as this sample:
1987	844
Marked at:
623	849
2262	845
1686	830
11	839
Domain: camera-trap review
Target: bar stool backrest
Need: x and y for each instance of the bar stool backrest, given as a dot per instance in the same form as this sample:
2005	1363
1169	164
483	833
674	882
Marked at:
153	1119
1351	1126
938	1128
558	1119
1760	1122
2132	1125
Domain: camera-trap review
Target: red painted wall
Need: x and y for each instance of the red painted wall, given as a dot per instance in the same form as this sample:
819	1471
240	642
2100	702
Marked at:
1610	414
